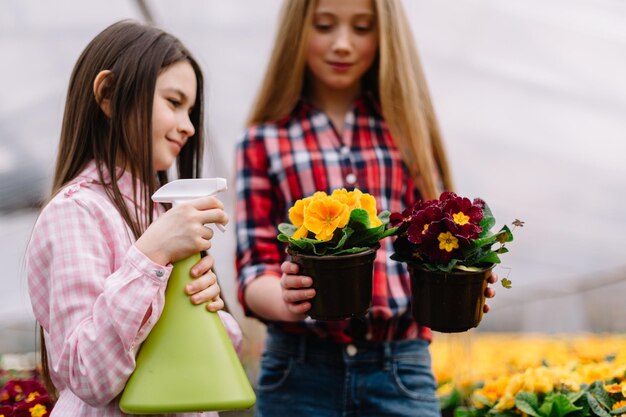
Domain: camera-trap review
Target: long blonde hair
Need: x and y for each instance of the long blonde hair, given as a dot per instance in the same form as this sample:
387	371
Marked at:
398	81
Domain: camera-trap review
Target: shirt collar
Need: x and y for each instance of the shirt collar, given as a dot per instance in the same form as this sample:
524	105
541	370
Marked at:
364	103
124	179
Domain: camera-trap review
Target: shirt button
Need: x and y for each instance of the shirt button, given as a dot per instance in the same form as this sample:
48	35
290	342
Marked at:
345	150
351	350
158	273
350	178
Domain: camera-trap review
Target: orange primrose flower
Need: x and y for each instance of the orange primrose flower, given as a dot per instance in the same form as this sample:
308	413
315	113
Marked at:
368	203
324	216
350	198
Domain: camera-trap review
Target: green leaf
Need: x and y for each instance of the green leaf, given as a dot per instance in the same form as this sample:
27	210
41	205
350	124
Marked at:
506	283
528	403
562	406
488	221
345	235
504	235
389	232
384	216
598	391
467	412
585	412
352	250
595	406
437	267
482	400
484	241
301	244
574	395
489	257
369	237
546	409
359	219
451	400
287	229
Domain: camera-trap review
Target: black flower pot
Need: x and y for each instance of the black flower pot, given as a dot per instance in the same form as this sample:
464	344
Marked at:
342	283
448	302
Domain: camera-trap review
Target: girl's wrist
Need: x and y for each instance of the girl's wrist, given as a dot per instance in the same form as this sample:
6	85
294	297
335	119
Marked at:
153	254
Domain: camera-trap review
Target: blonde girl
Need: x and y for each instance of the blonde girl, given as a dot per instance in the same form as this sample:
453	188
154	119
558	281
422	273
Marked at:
344	104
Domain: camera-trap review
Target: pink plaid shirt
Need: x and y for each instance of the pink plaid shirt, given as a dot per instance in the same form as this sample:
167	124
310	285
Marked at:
90	288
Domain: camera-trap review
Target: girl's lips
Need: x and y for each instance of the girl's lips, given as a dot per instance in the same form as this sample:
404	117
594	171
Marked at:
340	66
177	144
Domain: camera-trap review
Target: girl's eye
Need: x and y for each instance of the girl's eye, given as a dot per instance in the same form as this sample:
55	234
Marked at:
174	102
323	27
363	29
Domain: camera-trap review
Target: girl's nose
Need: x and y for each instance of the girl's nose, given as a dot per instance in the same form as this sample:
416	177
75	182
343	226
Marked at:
185	126
343	40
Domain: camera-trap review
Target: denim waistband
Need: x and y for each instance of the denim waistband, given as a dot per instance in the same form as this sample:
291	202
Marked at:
308	346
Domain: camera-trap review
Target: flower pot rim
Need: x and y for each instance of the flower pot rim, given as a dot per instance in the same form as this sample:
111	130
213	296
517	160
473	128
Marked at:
454	270
294	252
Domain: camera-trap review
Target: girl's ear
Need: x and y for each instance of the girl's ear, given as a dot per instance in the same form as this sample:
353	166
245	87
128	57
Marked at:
100	86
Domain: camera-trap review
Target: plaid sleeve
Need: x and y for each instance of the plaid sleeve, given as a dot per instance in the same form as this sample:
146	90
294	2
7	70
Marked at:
258	213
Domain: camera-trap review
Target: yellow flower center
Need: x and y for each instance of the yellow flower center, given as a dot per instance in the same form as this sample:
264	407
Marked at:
425	229
38	410
447	242
460	218
32	396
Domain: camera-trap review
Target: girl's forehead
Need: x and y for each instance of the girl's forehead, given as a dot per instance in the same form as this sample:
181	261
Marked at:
352	7
180	77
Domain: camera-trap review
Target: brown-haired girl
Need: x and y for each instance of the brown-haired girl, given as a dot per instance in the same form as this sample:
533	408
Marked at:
101	252
344	104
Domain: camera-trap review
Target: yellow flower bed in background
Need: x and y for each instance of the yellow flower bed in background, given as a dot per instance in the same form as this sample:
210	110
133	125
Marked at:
488	370
473	356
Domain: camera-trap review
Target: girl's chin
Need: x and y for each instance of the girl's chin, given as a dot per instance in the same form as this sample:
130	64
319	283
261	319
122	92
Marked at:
164	165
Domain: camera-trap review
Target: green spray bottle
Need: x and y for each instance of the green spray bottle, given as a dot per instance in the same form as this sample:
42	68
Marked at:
187	363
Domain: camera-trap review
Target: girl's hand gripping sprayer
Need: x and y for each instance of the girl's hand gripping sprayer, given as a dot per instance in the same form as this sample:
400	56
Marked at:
187	363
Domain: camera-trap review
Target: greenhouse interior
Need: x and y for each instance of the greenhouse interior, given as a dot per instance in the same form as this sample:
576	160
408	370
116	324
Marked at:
531	100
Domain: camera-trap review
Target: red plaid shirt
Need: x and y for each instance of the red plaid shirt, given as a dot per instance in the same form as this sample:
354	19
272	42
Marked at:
279	163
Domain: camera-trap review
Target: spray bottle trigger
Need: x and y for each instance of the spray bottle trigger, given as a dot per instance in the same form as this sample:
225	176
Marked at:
188	189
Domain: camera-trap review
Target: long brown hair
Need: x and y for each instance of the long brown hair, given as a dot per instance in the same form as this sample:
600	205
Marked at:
396	78
135	54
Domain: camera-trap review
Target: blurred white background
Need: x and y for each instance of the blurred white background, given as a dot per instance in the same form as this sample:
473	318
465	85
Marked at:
531	96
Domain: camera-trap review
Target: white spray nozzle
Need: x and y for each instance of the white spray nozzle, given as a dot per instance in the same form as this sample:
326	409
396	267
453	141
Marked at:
177	191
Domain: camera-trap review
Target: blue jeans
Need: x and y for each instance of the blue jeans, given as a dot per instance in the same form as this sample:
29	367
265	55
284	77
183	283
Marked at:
304	376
